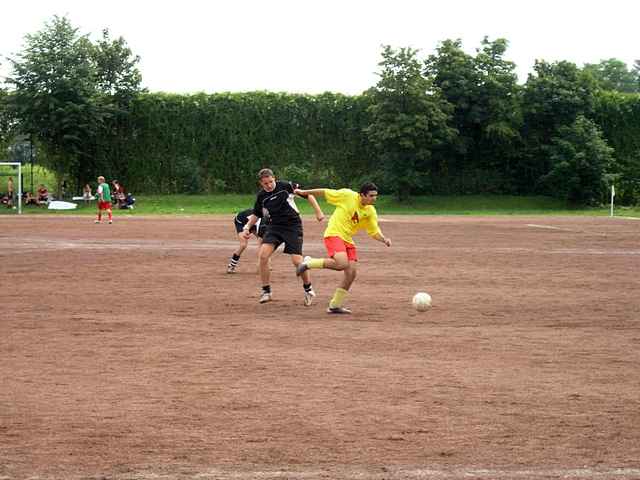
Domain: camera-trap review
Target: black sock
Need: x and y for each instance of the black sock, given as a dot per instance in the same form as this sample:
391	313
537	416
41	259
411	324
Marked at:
307	287
236	257
266	289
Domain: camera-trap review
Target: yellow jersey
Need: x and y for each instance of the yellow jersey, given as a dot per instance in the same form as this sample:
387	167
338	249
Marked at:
349	215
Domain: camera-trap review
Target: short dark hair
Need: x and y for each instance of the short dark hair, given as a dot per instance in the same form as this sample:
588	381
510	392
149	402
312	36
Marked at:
265	172
368	187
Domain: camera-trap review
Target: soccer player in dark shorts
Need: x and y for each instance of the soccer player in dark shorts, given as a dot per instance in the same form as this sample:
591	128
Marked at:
276	207
239	222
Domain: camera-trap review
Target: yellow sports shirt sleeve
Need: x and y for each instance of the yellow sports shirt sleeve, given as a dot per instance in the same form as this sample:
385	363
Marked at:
335	197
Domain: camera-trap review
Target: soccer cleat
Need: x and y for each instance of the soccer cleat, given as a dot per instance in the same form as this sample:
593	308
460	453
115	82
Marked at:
97	221
110	222
308	297
265	297
338	310
231	268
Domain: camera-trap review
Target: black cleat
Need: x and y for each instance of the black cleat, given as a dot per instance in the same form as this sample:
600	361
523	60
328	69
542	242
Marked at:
338	310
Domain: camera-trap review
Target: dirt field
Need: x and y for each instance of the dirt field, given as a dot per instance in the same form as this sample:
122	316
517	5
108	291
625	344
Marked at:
127	352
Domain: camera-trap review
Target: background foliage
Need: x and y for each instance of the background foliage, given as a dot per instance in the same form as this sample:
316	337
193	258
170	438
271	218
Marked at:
451	123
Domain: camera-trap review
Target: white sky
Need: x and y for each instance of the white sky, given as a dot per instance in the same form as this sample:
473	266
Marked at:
314	46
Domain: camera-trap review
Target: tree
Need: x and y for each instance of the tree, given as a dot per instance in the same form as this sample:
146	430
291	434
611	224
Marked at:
65	91
580	157
485	95
116	73
553	97
5	123
408	119
613	74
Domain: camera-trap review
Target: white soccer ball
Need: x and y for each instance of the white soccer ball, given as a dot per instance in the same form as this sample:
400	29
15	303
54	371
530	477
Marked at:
421	301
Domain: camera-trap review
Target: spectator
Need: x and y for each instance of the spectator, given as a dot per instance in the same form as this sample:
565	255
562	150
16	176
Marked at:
43	195
86	193
119	194
30	199
10	192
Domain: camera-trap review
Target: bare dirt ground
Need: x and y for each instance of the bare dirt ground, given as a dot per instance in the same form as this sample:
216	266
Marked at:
127	352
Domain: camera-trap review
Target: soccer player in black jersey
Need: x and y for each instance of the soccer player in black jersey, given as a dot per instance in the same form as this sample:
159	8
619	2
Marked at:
276	207
239	222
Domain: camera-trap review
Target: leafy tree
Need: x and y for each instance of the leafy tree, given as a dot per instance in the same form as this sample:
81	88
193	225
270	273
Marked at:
580	157
5	122
554	95
484	92
66	89
453	72
618	115
613	74
408	120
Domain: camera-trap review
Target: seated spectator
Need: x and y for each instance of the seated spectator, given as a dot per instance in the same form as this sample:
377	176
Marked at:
86	193
129	202
29	199
119	195
43	195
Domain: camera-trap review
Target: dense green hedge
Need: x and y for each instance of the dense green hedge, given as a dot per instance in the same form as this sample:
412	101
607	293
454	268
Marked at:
216	143
204	143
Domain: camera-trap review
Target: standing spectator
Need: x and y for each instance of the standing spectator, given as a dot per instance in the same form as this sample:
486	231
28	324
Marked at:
104	199
10	192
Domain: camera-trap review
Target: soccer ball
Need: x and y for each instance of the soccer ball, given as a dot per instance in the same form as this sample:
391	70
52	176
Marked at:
421	301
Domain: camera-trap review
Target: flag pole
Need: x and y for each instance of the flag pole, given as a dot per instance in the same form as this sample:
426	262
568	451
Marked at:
613	194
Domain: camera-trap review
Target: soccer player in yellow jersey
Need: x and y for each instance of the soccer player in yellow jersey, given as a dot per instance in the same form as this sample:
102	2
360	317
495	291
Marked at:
354	211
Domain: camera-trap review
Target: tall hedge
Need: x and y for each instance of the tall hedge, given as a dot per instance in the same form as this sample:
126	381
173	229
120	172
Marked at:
204	143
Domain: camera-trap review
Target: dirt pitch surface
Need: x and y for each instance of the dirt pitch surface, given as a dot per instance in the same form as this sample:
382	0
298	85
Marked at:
127	352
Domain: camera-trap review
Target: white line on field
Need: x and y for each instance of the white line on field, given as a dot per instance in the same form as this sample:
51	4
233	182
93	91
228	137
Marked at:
550	227
393	473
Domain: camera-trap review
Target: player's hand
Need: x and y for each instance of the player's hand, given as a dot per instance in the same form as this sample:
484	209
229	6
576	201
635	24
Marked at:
387	242
320	218
246	234
300	193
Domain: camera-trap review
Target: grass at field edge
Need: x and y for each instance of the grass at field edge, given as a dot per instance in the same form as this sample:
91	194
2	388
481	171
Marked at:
472	205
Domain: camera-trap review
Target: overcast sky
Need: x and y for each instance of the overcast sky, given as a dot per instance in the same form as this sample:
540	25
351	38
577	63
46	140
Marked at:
311	46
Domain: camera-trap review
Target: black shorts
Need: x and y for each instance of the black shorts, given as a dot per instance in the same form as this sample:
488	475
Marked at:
291	236
240	226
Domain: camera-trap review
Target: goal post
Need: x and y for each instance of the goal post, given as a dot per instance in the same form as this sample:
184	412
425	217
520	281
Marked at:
17	165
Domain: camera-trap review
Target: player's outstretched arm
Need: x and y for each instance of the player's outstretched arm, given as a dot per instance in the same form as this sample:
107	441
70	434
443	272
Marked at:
313	191
316	207
381	238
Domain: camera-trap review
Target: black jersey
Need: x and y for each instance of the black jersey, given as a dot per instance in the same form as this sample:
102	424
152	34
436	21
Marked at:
278	206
